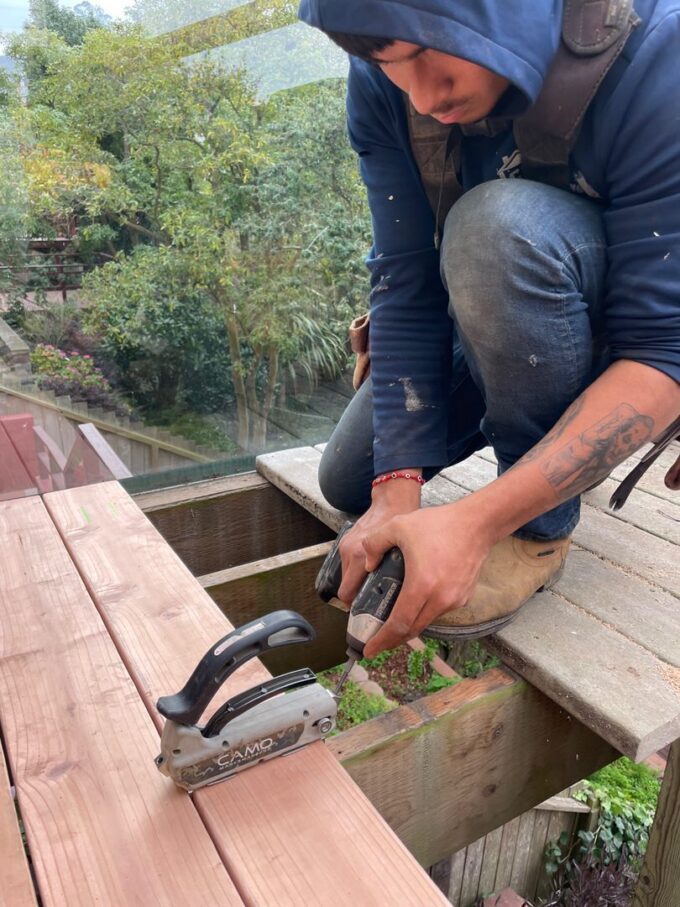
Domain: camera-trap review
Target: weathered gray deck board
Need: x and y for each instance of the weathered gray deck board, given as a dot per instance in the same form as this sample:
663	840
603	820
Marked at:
654	558
605	644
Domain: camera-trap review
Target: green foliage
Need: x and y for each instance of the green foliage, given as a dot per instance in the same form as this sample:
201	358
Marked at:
470	659
606	859
194	427
69	25
439	682
379	660
51	362
627	794
419	660
52	324
235	228
355	705
163	331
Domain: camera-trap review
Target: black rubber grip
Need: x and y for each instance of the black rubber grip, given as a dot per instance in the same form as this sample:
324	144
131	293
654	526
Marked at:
280	628
330	575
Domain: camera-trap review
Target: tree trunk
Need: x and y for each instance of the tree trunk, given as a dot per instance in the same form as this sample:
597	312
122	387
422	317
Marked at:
239	383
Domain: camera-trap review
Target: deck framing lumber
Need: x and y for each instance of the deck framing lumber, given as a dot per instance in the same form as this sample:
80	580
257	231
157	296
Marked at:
226	522
284	581
451	767
659	884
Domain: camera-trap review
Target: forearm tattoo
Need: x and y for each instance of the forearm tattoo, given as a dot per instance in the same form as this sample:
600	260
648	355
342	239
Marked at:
595	452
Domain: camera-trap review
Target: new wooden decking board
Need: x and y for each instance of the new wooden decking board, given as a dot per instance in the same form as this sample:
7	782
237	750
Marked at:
100	824
295	830
566	644
16	887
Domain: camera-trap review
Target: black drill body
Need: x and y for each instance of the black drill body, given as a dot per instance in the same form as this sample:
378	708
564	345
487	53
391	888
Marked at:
375	600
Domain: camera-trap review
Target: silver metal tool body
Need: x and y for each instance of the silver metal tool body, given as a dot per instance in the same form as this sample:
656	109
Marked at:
271	719
279	726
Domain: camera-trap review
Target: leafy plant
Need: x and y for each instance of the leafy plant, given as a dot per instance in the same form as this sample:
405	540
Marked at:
355	706
439	682
470	659
601	866
74	375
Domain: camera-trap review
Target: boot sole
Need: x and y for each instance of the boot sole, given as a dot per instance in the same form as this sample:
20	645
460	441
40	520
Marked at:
442	633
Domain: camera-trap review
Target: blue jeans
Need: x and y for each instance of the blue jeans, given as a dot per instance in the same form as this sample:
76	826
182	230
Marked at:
524	265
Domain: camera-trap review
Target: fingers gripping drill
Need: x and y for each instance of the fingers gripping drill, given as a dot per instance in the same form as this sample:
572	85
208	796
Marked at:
373	604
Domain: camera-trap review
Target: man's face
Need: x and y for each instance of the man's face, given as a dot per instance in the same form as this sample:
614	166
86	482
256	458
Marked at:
447	88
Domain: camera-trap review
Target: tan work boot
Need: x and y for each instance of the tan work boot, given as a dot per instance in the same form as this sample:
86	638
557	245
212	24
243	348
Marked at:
513	571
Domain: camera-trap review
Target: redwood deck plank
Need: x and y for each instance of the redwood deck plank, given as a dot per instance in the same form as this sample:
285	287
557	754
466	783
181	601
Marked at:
101	824
292	831
16	887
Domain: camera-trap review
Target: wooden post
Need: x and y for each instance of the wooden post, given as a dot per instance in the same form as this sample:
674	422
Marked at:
659	884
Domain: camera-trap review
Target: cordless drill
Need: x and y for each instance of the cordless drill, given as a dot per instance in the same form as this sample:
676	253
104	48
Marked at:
373	604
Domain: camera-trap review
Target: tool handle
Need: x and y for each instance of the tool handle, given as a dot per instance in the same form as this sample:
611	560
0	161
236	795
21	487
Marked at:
280	628
375	600
330	575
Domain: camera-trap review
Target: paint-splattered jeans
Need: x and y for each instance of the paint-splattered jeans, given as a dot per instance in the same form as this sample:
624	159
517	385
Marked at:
525	268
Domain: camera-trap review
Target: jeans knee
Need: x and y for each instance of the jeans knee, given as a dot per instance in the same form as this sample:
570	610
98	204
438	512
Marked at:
339	483
508	240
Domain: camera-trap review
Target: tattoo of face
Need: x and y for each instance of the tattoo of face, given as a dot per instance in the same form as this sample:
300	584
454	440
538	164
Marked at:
594	453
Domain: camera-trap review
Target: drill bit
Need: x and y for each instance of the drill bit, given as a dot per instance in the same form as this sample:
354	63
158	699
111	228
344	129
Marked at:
351	661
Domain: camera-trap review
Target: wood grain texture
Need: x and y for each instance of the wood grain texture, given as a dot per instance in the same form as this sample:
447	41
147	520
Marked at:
283	581
292	831
16	887
619	689
101	825
445	770
226	522
650	556
659	884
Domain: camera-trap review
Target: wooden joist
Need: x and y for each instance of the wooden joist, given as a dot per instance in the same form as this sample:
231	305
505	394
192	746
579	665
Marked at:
222	523
101	824
604	644
295	830
449	768
283	581
659	884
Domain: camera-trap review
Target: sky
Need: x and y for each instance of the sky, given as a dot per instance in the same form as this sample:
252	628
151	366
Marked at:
14	12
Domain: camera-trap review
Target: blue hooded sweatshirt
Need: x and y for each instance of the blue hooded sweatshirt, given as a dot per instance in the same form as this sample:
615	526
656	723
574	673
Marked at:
627	155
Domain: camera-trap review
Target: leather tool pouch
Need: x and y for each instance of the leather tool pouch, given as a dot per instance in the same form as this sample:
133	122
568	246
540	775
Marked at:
358	337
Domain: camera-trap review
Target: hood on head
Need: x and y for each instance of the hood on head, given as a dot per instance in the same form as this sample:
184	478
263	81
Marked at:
516	39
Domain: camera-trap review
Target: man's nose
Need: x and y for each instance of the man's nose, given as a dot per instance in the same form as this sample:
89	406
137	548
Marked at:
426	98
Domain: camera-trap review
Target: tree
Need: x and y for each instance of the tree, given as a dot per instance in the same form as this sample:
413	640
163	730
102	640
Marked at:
257	205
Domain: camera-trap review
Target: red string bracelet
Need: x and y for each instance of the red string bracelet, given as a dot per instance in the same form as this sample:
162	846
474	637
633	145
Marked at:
397	475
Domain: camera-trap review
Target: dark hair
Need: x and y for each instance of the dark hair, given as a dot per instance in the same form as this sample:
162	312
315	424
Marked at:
360	45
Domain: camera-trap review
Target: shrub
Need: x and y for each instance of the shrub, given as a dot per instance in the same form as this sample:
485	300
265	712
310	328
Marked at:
74	375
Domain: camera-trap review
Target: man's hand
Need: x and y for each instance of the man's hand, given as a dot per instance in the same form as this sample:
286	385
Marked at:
444	549
389	500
